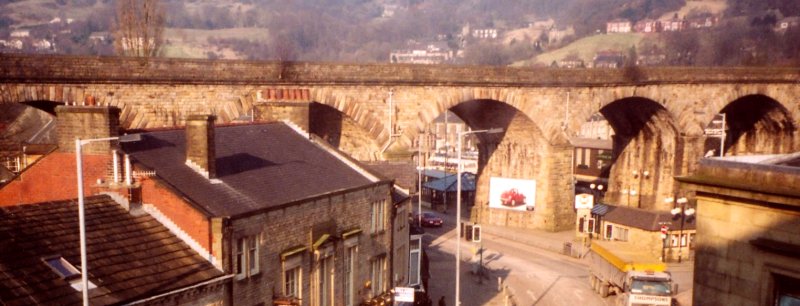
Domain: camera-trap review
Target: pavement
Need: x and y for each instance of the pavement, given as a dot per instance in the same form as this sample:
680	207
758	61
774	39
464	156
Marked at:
490	293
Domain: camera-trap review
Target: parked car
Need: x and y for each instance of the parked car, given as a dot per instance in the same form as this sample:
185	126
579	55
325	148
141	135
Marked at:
512	198
429	219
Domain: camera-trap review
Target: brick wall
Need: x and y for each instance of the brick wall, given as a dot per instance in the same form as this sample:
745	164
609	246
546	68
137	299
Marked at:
179	211
54	177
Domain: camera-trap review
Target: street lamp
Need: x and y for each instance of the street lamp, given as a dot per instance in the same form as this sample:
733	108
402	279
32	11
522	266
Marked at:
81	219
598	188
683	213
458	207
630	193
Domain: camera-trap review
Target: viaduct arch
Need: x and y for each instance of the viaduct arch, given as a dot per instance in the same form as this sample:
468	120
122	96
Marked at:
659	117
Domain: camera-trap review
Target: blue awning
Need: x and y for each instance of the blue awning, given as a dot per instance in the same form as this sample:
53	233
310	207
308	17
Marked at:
600	209
448	183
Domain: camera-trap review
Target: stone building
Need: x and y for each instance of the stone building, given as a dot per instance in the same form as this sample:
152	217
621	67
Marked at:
292	219
748	230
642	229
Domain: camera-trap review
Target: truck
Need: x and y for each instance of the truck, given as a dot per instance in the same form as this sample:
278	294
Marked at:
635	277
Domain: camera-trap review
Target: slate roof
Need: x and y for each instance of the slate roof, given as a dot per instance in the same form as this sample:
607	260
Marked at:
436	173
259	166
129	257
403	173
449	183
639	218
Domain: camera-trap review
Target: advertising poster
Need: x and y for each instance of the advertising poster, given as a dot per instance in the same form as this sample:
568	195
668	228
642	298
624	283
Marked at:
515	194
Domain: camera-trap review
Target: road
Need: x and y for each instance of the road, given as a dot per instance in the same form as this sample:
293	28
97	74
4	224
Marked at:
534	276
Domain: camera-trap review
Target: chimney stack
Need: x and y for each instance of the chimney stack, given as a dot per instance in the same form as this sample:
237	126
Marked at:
87	122
200	152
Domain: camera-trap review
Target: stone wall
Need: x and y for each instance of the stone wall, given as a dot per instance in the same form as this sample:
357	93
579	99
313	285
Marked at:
747	227
87	122
159	93
294	225
172	70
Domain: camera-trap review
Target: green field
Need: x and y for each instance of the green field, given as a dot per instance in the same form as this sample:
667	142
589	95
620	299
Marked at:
585	48
193	43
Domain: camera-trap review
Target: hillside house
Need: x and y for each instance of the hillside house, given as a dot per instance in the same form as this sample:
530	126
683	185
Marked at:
651	59
432	53
489	33
703	22
608	59
673	25
618	26
20	33
647	26
99	36
571	61
786	23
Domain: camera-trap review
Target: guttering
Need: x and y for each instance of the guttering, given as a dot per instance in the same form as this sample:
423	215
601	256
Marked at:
155	297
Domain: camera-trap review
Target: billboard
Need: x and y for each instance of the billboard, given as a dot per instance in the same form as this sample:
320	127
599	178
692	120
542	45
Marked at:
514	194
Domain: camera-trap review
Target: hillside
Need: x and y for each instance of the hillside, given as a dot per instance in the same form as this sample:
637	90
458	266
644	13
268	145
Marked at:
715	7
585	48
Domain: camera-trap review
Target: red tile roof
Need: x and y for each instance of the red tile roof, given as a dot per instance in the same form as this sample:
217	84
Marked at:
130	257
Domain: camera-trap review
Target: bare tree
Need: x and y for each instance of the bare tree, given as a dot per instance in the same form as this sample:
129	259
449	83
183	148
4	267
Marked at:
140	28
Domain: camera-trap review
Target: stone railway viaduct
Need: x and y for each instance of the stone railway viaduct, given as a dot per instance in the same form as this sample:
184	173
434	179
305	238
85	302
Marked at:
377	111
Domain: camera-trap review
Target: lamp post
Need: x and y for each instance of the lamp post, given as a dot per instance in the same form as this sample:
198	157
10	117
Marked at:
420	168
81	211
458	208
683	213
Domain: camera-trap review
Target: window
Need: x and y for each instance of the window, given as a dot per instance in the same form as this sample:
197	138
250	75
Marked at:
326	277
378	275
378	216
68	272
609	231
414	260
587	157
351	255
247	256
292	261
350	266
240	260
252	255
621	234
787	290
683	240
291	282
63	268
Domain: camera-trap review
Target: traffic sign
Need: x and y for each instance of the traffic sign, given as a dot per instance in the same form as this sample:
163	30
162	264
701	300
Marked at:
584	201
664	229
403	294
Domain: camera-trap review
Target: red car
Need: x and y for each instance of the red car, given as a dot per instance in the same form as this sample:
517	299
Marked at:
429	219
512	198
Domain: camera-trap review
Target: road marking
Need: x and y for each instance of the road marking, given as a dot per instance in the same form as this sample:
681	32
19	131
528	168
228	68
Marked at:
579	294
530	293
